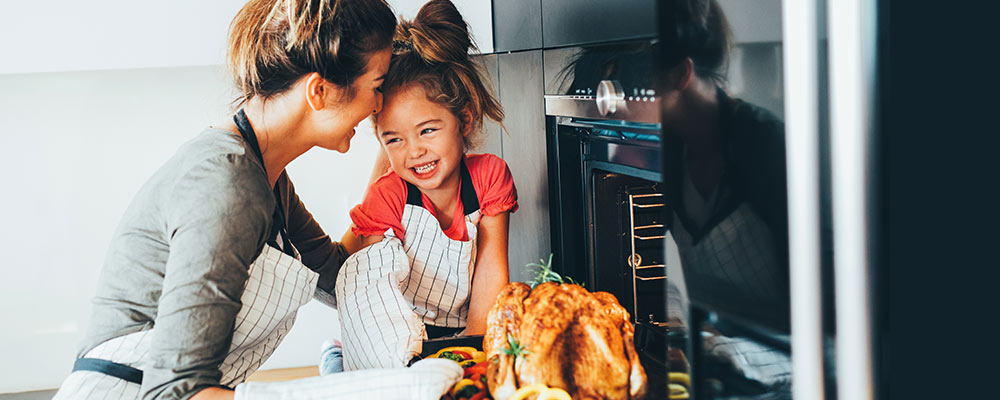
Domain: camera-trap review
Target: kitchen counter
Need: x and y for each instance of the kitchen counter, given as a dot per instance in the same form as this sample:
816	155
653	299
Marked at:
283	374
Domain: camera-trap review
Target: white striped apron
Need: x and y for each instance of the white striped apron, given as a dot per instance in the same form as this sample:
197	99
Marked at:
278	285
388	291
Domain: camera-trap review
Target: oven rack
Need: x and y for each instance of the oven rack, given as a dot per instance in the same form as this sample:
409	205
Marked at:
644	233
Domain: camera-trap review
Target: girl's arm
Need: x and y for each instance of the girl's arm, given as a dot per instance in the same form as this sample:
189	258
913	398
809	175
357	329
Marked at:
491	270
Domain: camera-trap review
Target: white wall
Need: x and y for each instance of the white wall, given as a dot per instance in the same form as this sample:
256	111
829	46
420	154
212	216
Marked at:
66	35
94	96
75	148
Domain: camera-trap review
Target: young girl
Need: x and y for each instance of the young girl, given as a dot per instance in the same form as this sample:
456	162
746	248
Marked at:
434	227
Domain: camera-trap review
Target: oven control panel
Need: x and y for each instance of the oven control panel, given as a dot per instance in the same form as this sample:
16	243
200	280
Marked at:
633	94
608	101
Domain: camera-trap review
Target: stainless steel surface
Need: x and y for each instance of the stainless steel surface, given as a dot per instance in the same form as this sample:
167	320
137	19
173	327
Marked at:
521	88
852	79
558	78
639	109
610	97
800	26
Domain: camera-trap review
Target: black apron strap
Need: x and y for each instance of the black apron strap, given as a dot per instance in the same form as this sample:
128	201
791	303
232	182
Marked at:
470	201
412	194
110	368
278	226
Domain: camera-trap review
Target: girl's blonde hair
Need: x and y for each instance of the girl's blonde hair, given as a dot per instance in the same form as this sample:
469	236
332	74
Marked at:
432	51
273	43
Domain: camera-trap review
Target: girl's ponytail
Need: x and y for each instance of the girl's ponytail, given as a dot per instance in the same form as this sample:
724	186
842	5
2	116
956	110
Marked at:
432	51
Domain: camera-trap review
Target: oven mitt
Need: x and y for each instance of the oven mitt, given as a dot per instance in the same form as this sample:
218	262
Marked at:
425	379
378	326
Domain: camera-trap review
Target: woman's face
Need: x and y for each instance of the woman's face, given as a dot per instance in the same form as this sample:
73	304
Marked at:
423	139
341	118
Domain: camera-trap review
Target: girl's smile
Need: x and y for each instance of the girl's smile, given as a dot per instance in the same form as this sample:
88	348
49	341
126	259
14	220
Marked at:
426	170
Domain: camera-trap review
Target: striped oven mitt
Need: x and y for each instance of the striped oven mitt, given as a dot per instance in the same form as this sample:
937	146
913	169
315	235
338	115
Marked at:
377	324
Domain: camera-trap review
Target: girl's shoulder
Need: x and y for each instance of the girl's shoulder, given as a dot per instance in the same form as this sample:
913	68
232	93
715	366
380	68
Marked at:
382	207
493	182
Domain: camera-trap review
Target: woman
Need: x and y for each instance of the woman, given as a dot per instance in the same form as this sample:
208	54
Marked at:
216	253
726	171
725	174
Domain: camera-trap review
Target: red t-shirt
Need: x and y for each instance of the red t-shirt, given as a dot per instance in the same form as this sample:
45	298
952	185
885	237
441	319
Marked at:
383	205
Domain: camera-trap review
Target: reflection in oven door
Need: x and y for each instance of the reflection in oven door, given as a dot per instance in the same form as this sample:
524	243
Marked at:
606	197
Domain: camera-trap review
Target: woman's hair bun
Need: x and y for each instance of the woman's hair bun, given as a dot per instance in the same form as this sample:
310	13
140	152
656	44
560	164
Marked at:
438	33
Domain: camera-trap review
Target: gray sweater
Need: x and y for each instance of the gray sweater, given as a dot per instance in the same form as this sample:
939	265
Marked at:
179	259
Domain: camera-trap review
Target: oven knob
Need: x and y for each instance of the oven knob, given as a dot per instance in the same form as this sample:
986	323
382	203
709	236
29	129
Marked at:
610	97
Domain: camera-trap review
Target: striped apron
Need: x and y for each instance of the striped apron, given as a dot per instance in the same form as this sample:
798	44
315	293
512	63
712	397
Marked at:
388	291
278	285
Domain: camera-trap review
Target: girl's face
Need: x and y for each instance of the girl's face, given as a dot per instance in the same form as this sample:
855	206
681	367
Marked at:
423	139
340	121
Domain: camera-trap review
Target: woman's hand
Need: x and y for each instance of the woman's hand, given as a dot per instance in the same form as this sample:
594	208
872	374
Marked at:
491	270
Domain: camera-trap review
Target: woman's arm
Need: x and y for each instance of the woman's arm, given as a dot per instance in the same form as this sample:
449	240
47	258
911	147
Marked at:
491	270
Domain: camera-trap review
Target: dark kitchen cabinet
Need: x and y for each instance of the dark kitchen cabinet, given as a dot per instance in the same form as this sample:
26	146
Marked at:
576	22
517	25
521	91
494	134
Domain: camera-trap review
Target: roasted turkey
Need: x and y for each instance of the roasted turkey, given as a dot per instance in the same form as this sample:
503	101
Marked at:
561	336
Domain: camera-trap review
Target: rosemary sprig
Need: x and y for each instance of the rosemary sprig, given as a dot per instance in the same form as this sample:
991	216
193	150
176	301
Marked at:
515	348
545	273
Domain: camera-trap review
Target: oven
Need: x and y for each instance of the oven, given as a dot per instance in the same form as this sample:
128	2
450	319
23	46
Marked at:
607	203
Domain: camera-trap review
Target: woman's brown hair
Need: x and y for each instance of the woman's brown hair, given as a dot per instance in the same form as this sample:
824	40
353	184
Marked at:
432	51
273	43
700	31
